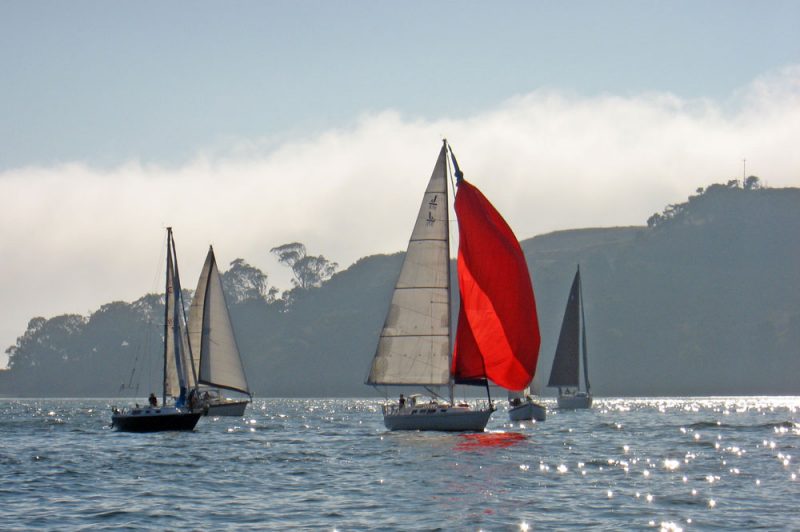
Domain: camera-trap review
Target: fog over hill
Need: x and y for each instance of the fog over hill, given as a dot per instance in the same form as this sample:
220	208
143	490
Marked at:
704	300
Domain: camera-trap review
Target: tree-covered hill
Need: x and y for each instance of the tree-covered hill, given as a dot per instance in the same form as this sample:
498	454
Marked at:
704	300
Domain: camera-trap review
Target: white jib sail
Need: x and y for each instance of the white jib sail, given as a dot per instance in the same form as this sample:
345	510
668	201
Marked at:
414	344
211	330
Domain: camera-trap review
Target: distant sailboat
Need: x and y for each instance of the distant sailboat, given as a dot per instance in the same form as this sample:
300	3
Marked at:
497	335
216	355
571	349
179	378
522	407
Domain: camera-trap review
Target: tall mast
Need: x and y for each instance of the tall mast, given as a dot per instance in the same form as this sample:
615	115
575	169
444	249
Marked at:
451	384
166	313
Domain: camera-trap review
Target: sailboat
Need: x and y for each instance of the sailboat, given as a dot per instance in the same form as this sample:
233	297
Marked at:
497	334
216	360
571	349
522	407
179	376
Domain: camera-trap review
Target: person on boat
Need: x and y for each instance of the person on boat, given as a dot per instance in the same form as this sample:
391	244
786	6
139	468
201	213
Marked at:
152	400
402	401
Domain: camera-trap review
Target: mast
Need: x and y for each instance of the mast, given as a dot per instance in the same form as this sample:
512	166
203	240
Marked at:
451	383
583	332
166	314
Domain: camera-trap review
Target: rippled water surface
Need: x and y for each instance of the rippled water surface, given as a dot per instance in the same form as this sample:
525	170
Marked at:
682	463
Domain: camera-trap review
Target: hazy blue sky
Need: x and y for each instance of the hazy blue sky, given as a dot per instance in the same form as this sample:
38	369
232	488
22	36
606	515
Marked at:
103	82
252	124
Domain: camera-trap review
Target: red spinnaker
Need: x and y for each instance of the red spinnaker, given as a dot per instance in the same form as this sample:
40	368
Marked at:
498	331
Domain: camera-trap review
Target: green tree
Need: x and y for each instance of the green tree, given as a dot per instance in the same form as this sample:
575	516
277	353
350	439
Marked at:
752	183
243	282
308	270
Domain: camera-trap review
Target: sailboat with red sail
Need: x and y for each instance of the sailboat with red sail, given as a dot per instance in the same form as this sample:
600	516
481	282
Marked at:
497	333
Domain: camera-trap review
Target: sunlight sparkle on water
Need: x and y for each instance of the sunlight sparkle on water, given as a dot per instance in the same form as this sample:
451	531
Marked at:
671	464
524	526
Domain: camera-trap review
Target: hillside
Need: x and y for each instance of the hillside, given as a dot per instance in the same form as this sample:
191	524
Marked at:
703	301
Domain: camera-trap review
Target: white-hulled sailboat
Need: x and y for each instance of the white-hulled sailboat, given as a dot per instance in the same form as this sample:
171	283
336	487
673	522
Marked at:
179	376
497	335
217	361
570	351
522	407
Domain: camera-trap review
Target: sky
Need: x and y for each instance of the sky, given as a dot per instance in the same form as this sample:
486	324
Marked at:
248	125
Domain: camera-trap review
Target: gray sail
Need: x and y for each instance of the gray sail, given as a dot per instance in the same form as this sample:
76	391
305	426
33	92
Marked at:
566	362
219	363
414	345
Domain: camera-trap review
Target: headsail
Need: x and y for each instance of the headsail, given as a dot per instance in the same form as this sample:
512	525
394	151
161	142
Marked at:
217	358
414	345
565	364
498	331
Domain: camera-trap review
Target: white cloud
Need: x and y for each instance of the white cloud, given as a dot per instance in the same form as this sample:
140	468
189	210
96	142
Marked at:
74	237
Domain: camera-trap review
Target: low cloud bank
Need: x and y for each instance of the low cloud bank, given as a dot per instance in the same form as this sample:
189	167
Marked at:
75	237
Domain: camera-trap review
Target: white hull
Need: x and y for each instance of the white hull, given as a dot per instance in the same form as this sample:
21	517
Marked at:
528	411
574	402
228	408
436	417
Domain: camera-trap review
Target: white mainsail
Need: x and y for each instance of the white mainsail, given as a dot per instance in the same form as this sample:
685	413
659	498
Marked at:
217	358
414	345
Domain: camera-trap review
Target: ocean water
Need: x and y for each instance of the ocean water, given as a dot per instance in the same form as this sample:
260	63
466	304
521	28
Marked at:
329	464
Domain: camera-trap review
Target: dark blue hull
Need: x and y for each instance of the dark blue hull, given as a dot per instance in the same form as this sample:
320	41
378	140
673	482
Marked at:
154	421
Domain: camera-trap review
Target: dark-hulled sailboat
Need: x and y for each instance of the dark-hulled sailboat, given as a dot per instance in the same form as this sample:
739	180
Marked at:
570	352
497	333
179	377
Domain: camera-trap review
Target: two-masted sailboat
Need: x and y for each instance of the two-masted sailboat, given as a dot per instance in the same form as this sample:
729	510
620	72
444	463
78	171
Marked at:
570	351
497	333
179	378
217	362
